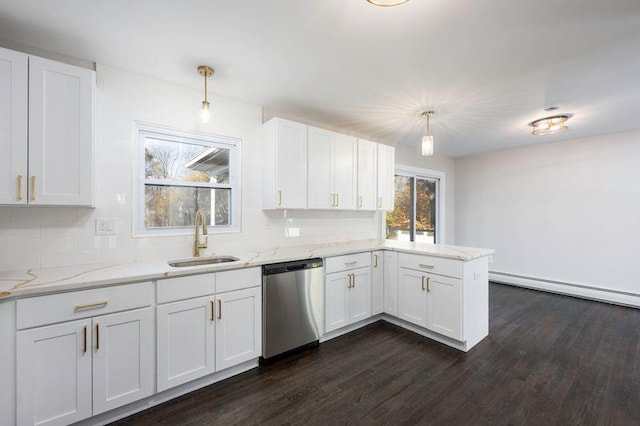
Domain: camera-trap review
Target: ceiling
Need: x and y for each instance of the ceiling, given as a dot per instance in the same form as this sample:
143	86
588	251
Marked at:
487	68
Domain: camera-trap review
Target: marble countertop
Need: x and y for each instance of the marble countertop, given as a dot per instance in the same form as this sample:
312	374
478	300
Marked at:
51	280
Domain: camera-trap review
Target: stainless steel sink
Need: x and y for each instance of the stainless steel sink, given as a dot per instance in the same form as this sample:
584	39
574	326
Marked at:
202	261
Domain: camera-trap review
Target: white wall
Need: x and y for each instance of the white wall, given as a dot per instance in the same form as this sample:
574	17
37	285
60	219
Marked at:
409	155
32	237
566	214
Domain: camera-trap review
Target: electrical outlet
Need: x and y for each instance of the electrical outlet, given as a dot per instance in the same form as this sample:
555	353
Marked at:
105	226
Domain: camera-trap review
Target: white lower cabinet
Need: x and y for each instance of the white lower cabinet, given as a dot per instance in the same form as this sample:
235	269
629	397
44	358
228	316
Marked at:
347	292
390	299
199	336
186	332
73	370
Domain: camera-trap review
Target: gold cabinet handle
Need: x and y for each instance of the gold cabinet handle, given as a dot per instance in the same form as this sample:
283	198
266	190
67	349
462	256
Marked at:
423	288
337	200
19	196
428	284
353	280
89	306
279	198
355	262
379	202
349	282
32	190
359	200
333	200
375	260
84	340
219	309
97	336
213	311
422	265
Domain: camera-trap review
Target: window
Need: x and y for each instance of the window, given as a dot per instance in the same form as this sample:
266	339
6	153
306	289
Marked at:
180	173
417	212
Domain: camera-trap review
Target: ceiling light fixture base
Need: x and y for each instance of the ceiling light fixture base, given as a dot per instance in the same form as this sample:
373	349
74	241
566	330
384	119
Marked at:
205	71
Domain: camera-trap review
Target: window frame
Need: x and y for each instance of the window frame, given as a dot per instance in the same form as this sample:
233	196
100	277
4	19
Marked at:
144	130
419	173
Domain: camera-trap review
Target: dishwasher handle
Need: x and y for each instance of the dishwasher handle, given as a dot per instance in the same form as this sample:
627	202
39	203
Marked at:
297	265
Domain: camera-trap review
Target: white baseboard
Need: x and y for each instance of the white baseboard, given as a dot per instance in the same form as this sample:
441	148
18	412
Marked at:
571	289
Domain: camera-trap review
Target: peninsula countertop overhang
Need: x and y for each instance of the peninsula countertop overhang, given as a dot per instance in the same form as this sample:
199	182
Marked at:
14	284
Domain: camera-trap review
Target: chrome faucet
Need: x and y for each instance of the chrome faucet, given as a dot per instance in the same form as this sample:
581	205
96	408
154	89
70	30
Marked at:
200	219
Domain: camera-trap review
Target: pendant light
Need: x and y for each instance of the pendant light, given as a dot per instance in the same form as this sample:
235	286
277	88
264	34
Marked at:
427	139
205	113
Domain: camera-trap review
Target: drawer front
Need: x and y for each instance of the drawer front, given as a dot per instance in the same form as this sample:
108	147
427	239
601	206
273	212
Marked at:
238	279
348	261
432	264
180	288
61	307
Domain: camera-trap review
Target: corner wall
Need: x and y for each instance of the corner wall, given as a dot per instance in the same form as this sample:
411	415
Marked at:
562	216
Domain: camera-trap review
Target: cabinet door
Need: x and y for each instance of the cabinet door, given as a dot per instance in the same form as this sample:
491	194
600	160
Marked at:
291	165
320	187
367	174
386	177
13	127
360	295
345	171
445	306
185	336
412	297
123	355
377	282
238	327
60	133
54	374
336	305
391	283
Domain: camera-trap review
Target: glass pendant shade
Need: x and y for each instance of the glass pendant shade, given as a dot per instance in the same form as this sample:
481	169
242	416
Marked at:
427	145
205	113
550	125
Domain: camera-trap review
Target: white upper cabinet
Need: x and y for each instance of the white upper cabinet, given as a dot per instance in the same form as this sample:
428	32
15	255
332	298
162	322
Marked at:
386	177
13	126
46	110
367	174
60	133
284	165
332	168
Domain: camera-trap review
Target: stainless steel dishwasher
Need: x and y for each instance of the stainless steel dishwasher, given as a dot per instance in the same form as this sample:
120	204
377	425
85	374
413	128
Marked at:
293	306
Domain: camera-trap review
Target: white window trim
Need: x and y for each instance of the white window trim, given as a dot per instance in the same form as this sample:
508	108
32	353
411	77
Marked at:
199	138
417	172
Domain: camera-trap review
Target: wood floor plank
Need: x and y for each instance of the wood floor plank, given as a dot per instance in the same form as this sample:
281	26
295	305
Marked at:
549	360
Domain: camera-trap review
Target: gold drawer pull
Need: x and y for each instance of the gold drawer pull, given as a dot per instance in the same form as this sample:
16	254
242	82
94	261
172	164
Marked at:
422	265
423	288
428	284
84	340
375	260
19	196
359	200
89	306
351	263
32	191
279	198
219	309
213	311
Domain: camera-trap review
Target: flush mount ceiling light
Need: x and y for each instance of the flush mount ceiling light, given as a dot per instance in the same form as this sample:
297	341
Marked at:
427	139
550	125
206	72
387	3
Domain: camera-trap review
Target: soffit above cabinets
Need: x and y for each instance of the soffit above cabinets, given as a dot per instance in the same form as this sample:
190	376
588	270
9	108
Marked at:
489	67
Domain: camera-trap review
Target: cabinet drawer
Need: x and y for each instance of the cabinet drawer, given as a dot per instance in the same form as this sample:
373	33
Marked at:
82	304
434	265
348	261
180	288
238	279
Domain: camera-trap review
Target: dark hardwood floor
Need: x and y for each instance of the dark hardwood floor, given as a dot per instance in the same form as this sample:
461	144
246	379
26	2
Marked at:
549	360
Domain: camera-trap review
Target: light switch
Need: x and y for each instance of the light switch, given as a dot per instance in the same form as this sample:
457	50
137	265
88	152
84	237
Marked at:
106	226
